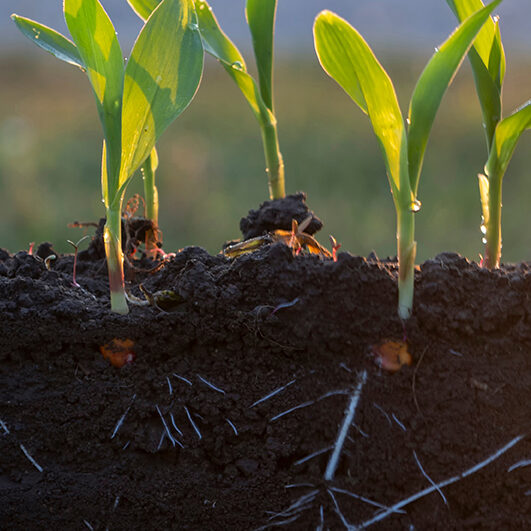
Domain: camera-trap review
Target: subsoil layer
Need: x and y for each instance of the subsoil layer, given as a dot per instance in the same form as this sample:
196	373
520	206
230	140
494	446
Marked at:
190	434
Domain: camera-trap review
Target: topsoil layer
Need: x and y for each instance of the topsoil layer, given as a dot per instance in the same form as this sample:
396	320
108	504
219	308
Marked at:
192	435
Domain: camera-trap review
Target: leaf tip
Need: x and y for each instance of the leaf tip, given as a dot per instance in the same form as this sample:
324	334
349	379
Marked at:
13	17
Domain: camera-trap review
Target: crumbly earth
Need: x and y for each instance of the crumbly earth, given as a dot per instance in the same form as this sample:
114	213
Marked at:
278	214
84	444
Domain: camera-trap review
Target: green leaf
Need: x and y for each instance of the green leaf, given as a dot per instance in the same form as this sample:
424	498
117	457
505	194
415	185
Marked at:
463	9
488	64
347	58
217	44
507	134
488	95
50	40
143	8
261	20
96	42
337	56
432	85
161	78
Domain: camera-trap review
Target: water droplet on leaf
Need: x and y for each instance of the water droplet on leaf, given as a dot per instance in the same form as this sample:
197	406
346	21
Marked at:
415	205
408	121
237	65
193	26
436	49
484	240
496	18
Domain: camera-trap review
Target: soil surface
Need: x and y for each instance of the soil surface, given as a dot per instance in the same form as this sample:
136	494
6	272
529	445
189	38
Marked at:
237	398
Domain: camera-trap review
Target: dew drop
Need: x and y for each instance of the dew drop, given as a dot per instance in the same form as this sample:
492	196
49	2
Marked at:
496	18
483	229
484	240
436	49
408	121
193	26
415	206
237	65
202	5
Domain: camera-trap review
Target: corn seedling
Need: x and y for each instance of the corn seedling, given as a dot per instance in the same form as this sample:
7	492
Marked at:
76	251
261	20
487	58
136	102
347	58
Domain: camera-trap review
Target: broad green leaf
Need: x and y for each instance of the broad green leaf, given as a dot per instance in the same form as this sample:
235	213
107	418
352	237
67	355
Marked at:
488	95
497	59
143	8
337	56
161	78
96	42
432	85
217	44
261	20
50	40
507	134
488	64
347	58
463	9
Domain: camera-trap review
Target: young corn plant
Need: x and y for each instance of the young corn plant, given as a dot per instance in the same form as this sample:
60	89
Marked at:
136	102
487	58
261	20
347	58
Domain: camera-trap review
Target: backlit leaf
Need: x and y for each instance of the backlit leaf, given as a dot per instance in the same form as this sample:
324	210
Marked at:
143	8
432	85
463	9
487	58
50	40
217	44
506	136
347	58
96	42
261	19
161	78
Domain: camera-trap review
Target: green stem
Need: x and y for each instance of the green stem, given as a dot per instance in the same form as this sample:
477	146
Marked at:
151	197
112	237
407	251
493	236
274	161
151	194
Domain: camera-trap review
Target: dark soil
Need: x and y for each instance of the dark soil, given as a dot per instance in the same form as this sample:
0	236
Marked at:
246	327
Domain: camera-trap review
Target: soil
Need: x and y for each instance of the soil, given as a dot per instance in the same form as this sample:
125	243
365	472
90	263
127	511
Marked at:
189	434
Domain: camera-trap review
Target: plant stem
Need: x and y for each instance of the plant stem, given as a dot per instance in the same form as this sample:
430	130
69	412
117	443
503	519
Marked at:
407	251
493	236
112	237
151	196
274	161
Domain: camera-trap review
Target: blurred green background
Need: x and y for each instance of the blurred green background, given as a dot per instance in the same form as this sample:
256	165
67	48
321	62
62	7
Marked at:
212	166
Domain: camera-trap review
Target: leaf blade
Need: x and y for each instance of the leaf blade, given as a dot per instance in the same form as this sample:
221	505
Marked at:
217	44
261	20
143	8
161	78
432	85
97	44
507	134
49	40
347	58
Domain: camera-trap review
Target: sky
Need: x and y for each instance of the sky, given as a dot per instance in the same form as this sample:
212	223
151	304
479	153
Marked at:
408	24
